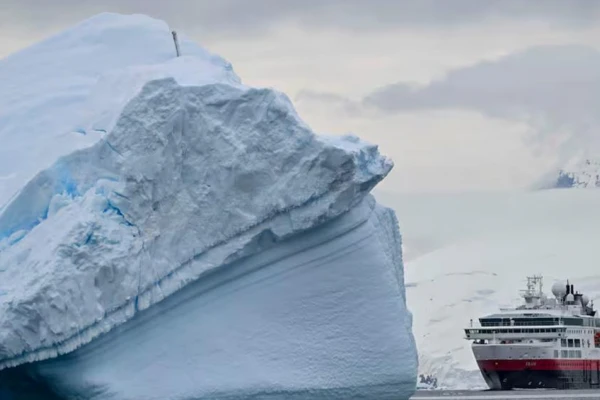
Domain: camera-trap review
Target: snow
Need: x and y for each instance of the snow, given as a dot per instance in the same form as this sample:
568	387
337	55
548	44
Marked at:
185	227
64	93
467	255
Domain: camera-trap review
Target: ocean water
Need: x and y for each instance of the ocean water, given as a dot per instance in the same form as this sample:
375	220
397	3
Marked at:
17	384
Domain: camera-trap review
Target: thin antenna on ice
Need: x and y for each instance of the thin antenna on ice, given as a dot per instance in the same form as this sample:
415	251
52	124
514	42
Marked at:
176	43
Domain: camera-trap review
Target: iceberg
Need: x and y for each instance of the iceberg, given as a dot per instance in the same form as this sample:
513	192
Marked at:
201	242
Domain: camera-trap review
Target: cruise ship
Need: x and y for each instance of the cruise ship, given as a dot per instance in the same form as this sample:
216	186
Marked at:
547	342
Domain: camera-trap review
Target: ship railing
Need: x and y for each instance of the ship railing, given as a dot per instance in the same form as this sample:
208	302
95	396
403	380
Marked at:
539	332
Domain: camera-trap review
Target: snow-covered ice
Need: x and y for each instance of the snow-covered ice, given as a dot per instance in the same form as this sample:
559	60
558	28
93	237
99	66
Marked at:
168	232
467	255
64	93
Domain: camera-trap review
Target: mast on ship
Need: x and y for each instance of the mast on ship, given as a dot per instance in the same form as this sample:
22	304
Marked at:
533	295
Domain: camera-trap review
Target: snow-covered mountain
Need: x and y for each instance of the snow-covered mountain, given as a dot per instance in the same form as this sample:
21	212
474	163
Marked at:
583	174
168	232
468	254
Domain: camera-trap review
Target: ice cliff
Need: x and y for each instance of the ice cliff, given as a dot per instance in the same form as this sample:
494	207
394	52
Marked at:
200	241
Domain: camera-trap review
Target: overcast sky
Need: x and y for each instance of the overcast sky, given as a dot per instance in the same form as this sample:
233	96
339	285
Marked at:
462	95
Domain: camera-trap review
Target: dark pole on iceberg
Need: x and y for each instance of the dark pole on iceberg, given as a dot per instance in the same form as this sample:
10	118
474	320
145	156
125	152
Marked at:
176	43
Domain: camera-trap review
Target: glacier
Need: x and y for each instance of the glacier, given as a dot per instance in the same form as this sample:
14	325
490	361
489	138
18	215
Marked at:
169	232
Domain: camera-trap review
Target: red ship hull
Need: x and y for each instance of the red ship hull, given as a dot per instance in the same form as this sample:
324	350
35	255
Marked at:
533	374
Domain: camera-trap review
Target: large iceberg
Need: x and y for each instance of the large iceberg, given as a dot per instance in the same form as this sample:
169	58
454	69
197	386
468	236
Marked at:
200	241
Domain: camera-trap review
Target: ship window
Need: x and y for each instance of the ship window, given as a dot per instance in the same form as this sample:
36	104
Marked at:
564	353
555	353
563	342
570	343
574	353
577	343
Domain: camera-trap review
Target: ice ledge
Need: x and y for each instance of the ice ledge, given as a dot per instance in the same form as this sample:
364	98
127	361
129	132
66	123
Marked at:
190	179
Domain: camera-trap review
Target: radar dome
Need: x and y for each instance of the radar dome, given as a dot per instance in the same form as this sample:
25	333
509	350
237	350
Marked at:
585	300
559	289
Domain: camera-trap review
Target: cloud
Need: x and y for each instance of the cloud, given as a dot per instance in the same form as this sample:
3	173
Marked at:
243	16
341	103
555	89
330	53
